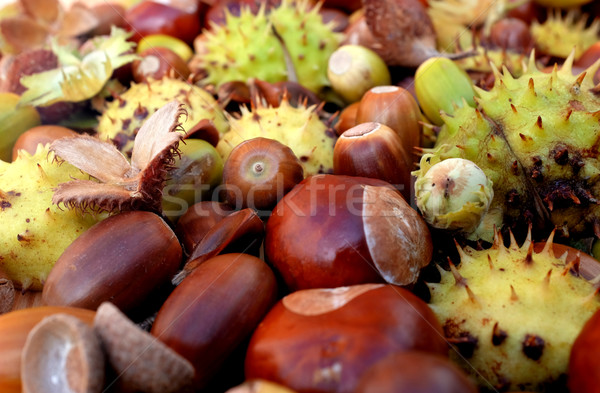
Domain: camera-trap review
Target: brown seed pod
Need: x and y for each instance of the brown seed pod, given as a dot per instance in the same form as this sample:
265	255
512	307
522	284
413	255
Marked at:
214	309
512	34
347	118
121	259
142	362
198	219
259	172
334	230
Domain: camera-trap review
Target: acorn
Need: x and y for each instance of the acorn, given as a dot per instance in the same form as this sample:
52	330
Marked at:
354	69
259	172
396	108
373	150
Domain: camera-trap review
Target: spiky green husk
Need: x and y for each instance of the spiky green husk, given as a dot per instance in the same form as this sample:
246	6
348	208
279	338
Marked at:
124	116
499	58
300	128
558	36
537	139
34	231
517	310
246	46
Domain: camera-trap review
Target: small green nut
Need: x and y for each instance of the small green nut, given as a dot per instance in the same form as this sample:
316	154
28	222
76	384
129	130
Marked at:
440	85
196	172
353	70
454	194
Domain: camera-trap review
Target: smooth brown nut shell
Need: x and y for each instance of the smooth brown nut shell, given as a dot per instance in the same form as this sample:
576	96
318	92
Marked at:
62	354
259	172
198	219
14	328
214	309
512	34
178	20
158	62
322	340
415	372
30	139
109	14
121	259
396	108
332	231
584	363
374	150
347	118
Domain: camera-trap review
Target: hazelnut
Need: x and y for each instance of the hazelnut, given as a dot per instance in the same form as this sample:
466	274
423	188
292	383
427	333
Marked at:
396	108
373	150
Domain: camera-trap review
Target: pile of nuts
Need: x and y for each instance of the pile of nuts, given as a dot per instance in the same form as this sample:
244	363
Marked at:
269	278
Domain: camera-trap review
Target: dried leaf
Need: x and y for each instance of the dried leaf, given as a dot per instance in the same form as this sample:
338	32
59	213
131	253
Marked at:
44	11
23	33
